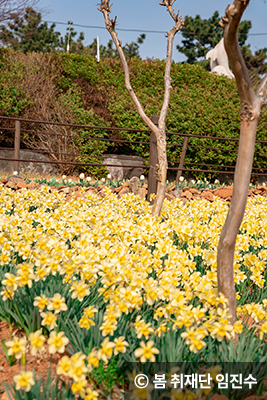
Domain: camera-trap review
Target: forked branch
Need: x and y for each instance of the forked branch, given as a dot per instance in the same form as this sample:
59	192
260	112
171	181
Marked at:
233	14
105	8
159	130
179	24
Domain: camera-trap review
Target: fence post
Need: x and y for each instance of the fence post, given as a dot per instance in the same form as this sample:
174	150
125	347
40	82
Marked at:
17	145
181	163
153	160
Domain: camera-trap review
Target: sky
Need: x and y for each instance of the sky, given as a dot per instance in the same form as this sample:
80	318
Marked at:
148	15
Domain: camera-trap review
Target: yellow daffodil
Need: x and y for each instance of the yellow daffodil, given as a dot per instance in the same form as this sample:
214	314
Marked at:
49	319
106	350
146	351
17	347
120	345
37	341
57	304
24	380
57	342
91	394
64	366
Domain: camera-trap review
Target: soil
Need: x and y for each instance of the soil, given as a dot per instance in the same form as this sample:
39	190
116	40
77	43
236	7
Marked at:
38	363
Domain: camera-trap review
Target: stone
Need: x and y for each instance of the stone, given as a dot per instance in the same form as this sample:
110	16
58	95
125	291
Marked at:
21	185
207	195
118	189
42	185
11	185
65	190
101	187
177	192
123	191
170	188
32	185
101	193
187	194
120	171
91	189
185	189
77	194
142	193
15	179
194	191
224	193
3	180
184	200
134	185
169	196
219	61
27	167
263	188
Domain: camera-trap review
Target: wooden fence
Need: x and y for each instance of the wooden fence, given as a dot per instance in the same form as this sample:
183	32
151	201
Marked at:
152	181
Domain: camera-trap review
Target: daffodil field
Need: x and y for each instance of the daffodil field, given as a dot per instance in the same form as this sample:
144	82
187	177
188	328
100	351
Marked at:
102	279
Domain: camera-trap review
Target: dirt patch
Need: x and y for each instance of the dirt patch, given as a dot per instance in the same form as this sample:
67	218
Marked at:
39	363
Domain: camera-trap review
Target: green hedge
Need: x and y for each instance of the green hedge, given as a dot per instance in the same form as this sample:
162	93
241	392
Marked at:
201	103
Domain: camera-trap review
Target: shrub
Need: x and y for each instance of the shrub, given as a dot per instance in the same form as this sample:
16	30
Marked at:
76	89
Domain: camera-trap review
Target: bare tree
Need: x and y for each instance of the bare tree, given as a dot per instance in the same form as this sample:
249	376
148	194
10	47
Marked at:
159	130
251	105
11	8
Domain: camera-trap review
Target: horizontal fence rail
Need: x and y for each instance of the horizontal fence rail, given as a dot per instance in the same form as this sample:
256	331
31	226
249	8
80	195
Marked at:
55	154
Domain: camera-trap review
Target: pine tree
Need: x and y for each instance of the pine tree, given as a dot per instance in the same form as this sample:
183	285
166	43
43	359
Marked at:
28	33
75	46
201	35
130	49
11	8
256	63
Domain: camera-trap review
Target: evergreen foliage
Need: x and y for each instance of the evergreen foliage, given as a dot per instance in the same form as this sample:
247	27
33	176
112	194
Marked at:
201	35
75	46
201	103
27	33
130	49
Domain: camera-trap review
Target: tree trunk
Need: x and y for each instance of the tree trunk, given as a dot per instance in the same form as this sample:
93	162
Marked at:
162	173
251	104
226	247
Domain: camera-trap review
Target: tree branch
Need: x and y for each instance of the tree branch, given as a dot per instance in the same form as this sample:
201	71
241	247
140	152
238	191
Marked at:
262	91
231	20
179	23
9	8
105	8
159	131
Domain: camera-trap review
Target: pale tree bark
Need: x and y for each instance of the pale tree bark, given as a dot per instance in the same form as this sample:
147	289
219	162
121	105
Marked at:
159	131
251	104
